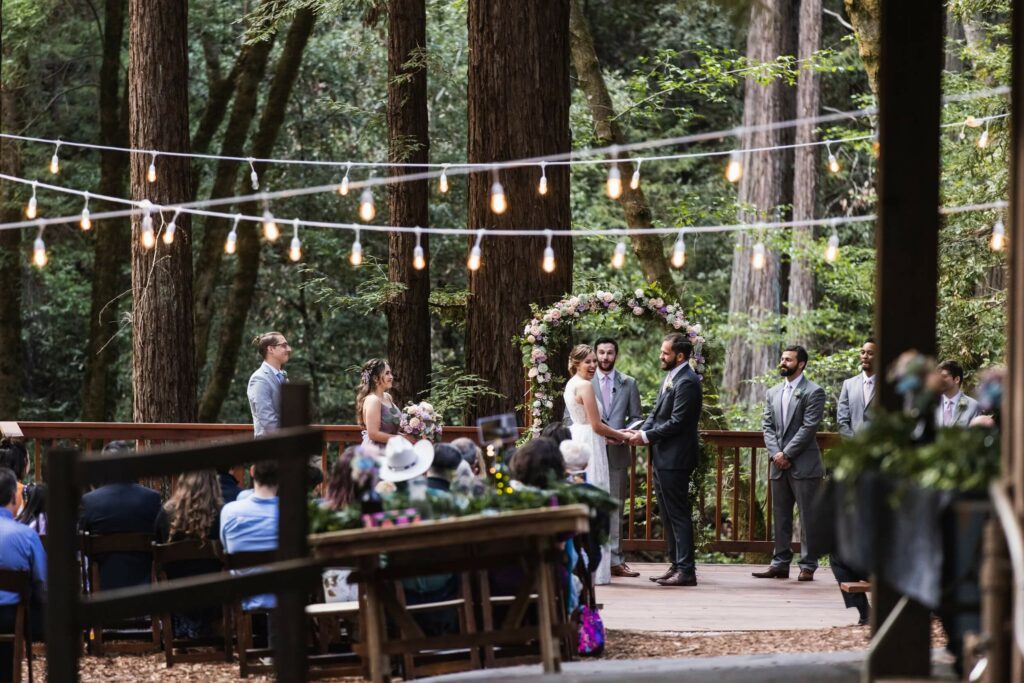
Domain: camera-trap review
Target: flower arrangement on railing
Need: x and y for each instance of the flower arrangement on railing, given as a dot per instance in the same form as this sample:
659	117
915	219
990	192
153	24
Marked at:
549	329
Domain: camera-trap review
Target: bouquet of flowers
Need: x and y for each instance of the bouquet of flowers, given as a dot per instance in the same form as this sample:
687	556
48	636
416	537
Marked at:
420	421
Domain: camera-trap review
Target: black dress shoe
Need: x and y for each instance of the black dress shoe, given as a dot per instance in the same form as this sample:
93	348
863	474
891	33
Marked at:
666	575
679	579
772	573
864	621
805	575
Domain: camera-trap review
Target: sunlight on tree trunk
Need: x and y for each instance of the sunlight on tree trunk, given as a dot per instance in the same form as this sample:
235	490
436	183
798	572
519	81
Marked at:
866	17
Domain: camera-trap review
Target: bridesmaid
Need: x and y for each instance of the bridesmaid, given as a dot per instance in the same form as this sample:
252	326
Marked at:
376	412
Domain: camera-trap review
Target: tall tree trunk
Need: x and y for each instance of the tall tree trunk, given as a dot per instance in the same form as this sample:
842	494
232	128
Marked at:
111	249
408	140
754	294
11	257
866	17
649	249
518	106
806	163
253	64
243	284
221	90
163	358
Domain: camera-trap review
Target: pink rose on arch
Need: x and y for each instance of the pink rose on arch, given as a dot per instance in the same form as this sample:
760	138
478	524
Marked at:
637	310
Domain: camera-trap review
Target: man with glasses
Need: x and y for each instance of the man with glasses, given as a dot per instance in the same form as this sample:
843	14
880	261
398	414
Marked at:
265	384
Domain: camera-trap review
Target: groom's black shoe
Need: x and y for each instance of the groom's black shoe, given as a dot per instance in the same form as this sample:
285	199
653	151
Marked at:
679	579
772	573
666	575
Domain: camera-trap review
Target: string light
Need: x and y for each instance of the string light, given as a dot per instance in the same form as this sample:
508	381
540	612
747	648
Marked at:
270	230
542	185
32	210
253	177
148	237
473	262
343	188
85	223
442	182
356	257
171	228
832	249
499	203
619	257
55	160
419	261
998	239
548	263
295	250
833	162
151	173
39	257
634	182
231	243
983	140
734	170
614	183
679	251
367	209
757	260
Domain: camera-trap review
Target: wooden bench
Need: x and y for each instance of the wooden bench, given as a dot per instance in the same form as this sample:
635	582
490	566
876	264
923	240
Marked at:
855	586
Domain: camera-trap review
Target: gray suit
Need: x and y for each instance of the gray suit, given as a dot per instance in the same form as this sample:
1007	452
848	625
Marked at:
965	410
264	394
852	414
624	409
799	484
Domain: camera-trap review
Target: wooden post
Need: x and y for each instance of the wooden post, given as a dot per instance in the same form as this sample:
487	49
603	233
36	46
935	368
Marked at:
906	240
63	632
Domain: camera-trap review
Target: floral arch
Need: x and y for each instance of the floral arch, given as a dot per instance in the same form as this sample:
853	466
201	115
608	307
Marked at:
549	328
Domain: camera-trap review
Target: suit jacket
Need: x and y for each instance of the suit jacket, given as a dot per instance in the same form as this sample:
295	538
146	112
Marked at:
796	438
671	428
264	394
121	509
624	409
965	410
852	414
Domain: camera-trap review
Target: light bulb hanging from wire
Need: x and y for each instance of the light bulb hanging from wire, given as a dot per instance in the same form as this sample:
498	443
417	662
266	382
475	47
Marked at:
39	258
759	257
634	181
253	176
613	185
832	249
998	240
356	257
343	188
151	171
85	222
542	184
499	203
983	139
32	210
270	230
419	260
231	243
171	228
548	262
147	236
442	182
679	252
367	208
295	249
473	262
734	169
833	162
619	257
55	160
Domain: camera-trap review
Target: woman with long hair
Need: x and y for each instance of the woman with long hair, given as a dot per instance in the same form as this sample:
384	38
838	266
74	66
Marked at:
375	409
33	512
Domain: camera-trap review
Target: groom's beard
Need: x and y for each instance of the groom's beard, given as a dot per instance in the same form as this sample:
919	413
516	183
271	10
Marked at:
605	366
786	372
668	365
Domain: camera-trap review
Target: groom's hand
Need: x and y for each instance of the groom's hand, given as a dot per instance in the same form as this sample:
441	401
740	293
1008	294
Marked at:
636	439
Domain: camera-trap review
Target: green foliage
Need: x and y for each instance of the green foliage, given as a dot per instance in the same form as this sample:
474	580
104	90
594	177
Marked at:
453	391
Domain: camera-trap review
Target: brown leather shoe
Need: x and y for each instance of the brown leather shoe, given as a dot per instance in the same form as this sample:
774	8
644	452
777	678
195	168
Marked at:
805	575
624	570
679	579
772	573
669	573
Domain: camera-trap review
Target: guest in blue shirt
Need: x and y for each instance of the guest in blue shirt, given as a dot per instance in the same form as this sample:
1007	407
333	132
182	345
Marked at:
251	524
20	549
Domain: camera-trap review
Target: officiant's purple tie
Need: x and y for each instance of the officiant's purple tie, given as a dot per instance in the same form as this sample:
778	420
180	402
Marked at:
785	401
947	414
606	392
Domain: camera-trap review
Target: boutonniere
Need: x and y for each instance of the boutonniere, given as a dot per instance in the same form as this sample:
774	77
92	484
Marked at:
798	394
668	384
962	403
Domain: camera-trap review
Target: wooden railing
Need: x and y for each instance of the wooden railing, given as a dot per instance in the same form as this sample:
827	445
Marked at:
741	518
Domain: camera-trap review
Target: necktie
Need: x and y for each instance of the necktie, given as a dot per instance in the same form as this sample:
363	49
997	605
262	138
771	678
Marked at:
282	376
785	401
947	413
869	387
606	393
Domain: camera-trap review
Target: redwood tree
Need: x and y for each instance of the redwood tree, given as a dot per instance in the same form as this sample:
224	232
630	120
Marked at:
11	256
408	141
163	353
518	106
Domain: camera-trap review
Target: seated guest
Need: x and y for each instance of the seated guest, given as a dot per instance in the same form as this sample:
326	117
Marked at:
192	513
557	431
344	488
538	463
33	512
14	456
472	454
20	549
121	508
446	460
229	488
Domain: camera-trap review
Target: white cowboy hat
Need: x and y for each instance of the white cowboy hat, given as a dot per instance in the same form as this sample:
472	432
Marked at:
575	455
403	461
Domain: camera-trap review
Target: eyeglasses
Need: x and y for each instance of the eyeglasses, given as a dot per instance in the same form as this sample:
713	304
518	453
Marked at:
284	344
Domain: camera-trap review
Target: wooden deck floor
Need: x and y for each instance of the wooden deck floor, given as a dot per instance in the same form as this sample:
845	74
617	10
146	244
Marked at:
727	598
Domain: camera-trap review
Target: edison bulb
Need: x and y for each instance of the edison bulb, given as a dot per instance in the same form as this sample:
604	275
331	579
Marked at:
759	257
832	250
169	233
343	189
614	183
270	229
734	171
54	164
548	264
32	210
998	240
634	182
499	203
151	173
39	257
254	179
419	261
983	140
85	223
356	257
231	243
147	236
542	186
473	263
442	183
833	163
295	250
619	257
367	209
679	253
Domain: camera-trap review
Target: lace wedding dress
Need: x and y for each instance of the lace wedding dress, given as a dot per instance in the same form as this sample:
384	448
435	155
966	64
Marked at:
597	468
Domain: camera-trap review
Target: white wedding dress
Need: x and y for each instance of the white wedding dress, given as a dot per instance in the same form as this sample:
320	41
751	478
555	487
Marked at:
597	467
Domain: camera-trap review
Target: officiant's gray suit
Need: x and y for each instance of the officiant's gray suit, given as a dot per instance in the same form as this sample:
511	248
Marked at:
795	438
852	413
623	410
264	393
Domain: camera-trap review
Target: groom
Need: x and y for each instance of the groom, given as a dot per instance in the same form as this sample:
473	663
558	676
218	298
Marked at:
671	431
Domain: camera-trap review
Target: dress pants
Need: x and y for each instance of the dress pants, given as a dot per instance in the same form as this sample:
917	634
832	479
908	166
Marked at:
673	490
787	490
844	574
618	487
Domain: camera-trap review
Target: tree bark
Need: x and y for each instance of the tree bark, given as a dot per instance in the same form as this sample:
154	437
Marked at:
866	17
252	65
518	106
806	165
111	249
754	294
243	284
407	313
11	257
163	358
649	249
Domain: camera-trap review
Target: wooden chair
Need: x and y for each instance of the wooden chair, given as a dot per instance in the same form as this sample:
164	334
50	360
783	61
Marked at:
247	655
324	663
19	582
165	554
93	546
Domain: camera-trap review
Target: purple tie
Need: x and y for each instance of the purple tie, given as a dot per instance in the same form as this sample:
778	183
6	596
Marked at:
947	414
606	392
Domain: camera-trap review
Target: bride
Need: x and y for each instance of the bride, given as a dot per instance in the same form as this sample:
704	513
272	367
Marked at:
589	431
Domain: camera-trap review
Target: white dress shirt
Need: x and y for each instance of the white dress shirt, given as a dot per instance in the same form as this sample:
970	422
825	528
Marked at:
668	378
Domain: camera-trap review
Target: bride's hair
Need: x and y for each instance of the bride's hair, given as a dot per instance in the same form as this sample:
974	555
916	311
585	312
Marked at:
369	378
578	354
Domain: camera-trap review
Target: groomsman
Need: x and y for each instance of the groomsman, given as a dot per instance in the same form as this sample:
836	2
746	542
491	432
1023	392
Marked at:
264	390
857	393
955	409
792	415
